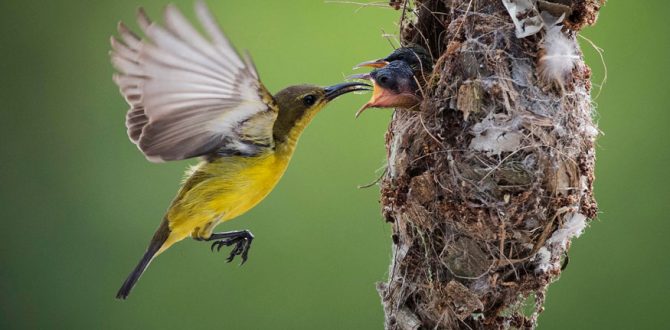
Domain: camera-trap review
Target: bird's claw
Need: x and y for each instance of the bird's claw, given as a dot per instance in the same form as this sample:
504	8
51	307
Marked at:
241	248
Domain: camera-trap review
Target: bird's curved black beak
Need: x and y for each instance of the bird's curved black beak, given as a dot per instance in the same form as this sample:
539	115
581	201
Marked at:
340	89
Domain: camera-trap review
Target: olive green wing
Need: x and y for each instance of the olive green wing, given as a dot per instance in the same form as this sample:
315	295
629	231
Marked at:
190	95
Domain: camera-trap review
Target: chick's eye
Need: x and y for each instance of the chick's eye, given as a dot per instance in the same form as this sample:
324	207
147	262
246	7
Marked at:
309	100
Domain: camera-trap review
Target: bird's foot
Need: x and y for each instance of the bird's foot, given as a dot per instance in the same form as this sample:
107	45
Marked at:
241	240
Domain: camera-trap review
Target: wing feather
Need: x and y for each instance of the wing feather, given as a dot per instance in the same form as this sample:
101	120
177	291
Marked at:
221	43
189	94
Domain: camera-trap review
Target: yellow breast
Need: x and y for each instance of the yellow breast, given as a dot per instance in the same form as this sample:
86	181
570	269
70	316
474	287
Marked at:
222	190
225	188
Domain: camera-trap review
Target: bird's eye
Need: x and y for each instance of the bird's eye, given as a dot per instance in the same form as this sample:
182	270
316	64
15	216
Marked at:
309	100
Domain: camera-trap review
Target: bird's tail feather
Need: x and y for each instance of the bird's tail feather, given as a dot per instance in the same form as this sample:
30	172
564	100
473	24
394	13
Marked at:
155	245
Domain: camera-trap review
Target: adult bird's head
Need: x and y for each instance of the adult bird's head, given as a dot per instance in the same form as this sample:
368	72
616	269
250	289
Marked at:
397	78
298	105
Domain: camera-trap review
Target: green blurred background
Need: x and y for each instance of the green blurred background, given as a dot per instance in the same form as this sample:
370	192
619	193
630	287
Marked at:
79	202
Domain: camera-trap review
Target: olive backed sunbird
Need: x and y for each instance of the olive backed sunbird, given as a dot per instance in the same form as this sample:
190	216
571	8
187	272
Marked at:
194	96
397	78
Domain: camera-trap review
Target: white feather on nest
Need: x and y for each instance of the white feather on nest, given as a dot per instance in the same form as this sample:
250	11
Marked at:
558	55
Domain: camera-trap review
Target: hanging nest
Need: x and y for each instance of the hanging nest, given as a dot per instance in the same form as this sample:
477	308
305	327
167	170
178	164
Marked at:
487	184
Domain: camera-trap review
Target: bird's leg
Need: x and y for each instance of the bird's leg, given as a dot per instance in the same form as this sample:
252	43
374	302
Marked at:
240	238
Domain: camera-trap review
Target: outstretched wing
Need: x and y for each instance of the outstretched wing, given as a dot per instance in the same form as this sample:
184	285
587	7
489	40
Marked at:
189	95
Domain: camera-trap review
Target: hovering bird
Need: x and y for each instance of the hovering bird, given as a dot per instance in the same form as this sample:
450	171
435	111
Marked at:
397	78
194	96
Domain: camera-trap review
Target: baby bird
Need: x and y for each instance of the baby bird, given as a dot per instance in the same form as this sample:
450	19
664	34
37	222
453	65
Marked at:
397	78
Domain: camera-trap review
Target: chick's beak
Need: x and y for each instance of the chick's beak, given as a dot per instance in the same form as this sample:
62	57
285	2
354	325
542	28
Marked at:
372	64
385	98
379	95
334	91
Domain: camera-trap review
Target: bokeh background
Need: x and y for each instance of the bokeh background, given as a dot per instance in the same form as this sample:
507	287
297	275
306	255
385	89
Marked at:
79	203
